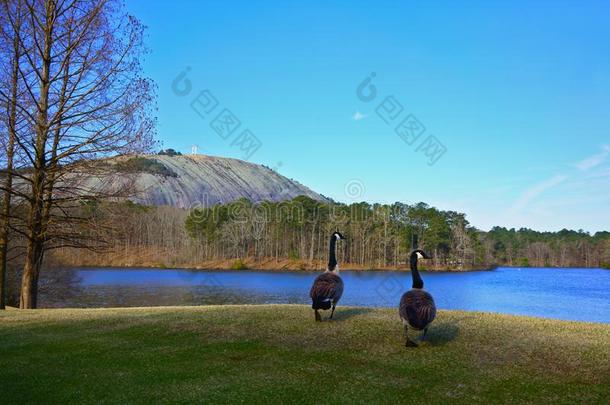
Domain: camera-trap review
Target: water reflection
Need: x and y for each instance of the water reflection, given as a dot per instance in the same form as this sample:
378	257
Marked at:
577	294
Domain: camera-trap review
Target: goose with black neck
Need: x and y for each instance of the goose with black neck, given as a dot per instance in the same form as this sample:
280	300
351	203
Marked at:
327	288
417	308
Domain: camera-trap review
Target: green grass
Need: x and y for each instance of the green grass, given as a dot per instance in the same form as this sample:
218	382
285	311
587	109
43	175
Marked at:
277	353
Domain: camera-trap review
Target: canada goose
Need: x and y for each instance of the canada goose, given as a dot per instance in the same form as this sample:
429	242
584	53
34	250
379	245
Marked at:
328	286
417	309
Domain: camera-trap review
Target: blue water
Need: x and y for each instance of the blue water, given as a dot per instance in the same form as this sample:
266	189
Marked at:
570	294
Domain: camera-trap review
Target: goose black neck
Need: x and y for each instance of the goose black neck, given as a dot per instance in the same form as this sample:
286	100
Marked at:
417	280
332	258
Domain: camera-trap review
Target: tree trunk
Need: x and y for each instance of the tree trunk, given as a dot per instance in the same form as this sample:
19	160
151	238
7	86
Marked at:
10	150
4	220
3	252
29	281
33	258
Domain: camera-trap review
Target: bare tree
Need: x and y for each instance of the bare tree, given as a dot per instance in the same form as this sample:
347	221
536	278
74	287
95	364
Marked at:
87	100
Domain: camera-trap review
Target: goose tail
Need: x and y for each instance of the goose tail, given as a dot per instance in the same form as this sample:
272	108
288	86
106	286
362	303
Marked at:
323	303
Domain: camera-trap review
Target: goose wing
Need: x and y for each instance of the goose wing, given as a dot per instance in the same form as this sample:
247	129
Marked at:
417	308
327	286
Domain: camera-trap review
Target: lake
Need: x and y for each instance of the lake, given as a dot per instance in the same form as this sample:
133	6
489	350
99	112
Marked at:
569	294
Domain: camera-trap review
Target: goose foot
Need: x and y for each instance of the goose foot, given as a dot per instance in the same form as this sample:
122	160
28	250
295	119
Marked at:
424	336
410	343
332	312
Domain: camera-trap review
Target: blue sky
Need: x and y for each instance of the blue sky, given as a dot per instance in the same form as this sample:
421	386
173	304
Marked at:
517	93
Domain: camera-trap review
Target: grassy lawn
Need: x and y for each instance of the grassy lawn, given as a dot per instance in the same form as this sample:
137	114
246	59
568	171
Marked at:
277	353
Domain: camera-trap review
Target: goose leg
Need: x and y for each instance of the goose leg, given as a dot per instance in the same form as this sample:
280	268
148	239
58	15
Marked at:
409	342
333	311
318	317
425	335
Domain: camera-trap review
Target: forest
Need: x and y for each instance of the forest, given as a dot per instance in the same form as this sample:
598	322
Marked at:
294	234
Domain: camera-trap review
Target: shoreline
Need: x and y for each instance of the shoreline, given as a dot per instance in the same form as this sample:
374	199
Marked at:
166	260
159	260
205	268
270	270
250	265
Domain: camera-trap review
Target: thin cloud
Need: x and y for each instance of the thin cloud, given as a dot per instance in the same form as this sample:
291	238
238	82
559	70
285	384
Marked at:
536	190
358	116
594	160
531	193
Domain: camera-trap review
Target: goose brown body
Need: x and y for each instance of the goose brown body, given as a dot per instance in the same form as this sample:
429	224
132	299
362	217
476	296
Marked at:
417	308
326	290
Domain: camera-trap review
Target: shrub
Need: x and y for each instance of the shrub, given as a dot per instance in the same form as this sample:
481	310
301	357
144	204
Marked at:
169	152
140	164
239	265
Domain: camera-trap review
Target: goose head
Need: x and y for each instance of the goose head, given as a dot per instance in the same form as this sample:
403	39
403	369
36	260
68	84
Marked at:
418	254
338	236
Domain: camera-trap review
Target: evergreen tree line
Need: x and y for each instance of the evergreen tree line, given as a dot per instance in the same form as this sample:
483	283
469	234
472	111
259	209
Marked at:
379	236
